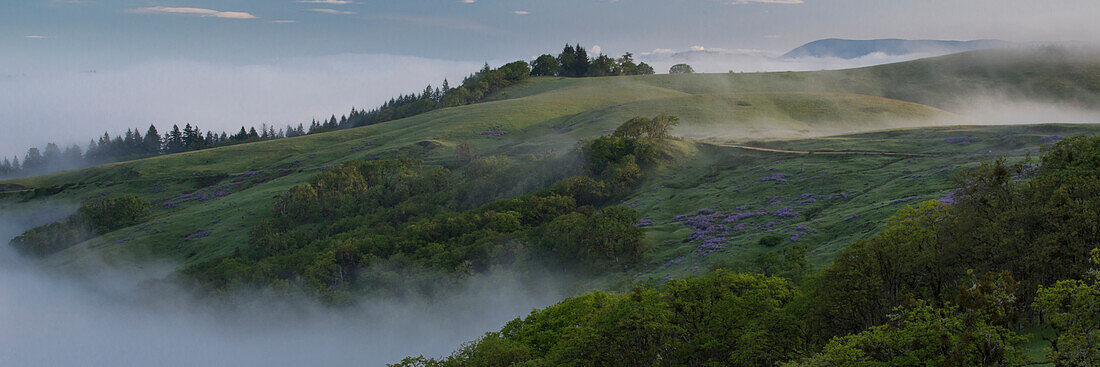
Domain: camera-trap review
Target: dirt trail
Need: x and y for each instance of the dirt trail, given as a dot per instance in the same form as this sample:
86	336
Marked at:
762	149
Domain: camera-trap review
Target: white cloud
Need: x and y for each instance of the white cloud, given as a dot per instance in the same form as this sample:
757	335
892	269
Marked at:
741	2
330	11
596	49
698	48
521	12
330	2
284	21
193	11
467	1
37	37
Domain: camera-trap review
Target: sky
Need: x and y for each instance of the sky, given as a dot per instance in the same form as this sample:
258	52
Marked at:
70	69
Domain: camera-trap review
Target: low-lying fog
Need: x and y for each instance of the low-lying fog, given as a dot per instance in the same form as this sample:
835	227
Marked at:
53	320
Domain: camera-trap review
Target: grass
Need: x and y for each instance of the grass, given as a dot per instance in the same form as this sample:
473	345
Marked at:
820	111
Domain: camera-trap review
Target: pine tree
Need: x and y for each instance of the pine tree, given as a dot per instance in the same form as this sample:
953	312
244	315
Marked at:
72	156
582	62
51	156
34	160
5	168
252	134
91	155
151	142
174	140
568	60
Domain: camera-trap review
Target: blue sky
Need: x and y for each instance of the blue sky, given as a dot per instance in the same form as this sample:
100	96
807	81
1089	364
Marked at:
110	33
70	69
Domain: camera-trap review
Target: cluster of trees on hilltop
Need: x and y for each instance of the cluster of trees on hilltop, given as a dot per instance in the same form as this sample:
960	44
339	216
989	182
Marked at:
941	285
573	61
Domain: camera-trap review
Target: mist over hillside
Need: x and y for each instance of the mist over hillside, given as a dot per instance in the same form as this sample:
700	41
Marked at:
415	234
113	317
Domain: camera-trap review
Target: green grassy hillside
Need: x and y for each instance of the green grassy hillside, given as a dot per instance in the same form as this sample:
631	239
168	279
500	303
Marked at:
225	190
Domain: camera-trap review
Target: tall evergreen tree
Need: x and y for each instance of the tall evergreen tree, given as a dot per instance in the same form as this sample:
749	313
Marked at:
51	155
173	141
5	168
580	68
34	160
151	142
567	59
72	157
91	155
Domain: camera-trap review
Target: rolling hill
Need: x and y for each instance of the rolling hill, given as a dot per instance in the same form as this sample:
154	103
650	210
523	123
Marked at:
223	192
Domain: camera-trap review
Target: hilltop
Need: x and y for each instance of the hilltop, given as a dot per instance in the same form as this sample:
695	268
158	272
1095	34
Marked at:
550	115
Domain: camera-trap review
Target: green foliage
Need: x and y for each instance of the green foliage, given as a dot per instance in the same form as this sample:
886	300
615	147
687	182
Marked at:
718	319
400	214
515	71
573	61
596	240
771	240
1072	308
109	214
1039	224
96	216
53	237
545	65
681	69
656	128
923	335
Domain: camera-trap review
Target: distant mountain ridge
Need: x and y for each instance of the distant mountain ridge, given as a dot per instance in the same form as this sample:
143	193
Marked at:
852	49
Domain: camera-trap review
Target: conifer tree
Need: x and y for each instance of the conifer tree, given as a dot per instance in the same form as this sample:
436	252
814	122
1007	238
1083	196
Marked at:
151	142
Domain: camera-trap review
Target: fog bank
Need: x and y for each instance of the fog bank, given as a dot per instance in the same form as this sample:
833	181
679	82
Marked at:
52	320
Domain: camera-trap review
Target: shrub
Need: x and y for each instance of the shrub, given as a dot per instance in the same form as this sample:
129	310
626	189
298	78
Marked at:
771	240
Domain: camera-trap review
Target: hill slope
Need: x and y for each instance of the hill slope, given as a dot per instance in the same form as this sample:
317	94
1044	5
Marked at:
222	192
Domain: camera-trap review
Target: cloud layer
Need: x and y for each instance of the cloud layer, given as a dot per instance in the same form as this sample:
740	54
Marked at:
193	11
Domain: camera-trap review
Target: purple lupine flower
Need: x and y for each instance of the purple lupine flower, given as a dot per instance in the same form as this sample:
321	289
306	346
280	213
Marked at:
493	131
776	177
951	198
1051	139
785	212
197	235
644	223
